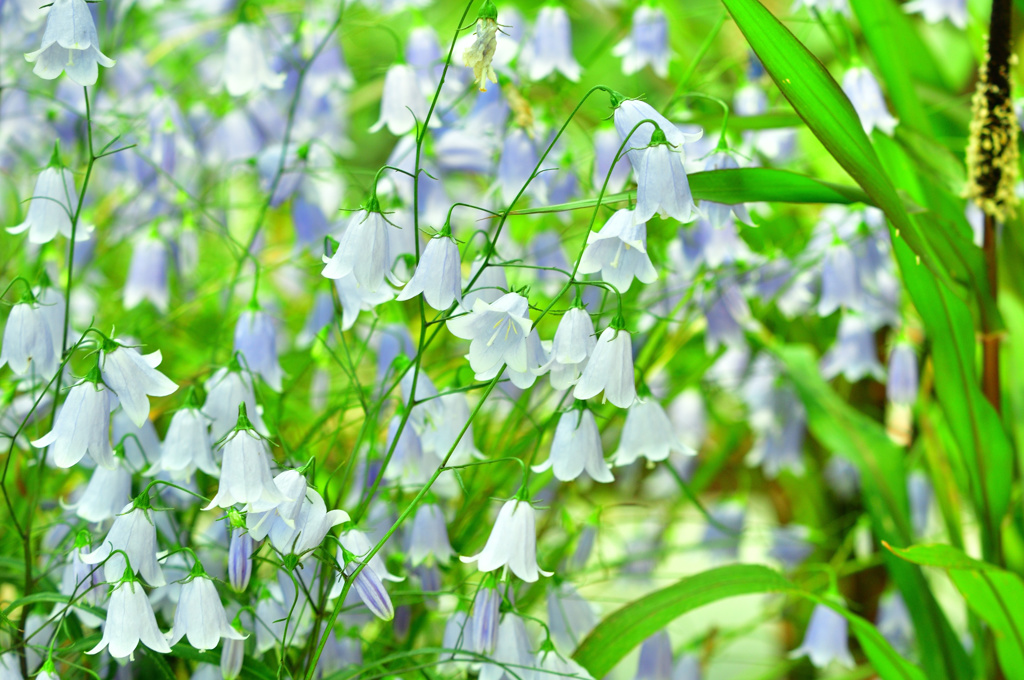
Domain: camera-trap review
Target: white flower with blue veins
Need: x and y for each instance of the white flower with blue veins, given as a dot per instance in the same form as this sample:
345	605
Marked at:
130	620
70	45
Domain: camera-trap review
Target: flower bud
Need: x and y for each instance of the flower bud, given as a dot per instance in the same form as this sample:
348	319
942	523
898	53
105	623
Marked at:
240	560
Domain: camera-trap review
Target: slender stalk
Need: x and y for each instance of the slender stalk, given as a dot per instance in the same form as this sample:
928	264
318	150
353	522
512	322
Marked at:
990	341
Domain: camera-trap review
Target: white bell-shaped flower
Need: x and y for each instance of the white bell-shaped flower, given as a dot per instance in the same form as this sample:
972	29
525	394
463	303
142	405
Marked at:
28	344
226	390
576	447
512	543
512	651
256	341
662	186
134	533
246	68
538	360
571	348
82	426
402	104
292	485
51	208
497	333
133	378
245	471
550	49
70	44
648	433
428	539
610	370
311	526
130	620
438	276
200	615
105	494
186	447
619	252
364	250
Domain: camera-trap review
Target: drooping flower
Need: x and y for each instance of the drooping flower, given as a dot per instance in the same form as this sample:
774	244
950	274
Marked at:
365	250
647	43
52	207
256	341
934	11
901	388
606	146
648	433
853	354
28	346
497	333
512	543
240	550
147	274
438	276
106	494
200	614
570	617
512	651
662	185
571	348
722	536
576	447
920	494
865	94
825	639
245	471
619	252
186	447
551	46
133	378
130	620
655	658
790	545
428	539
628	115
246	67
368	584
610	369
134	533
70	44
840	285
481	631
894	623
226	389
82	425
402	104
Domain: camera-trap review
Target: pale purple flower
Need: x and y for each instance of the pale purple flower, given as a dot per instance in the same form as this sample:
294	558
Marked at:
825	640
575	448
70	44
920	494
719	213
133	532
428	539
853	355
513	651
246	66
655	658
130	620
240	551
790	545
647	43
133	378
200	616
894	623
438	275
82	426
481	629
512	543
610	369
901	388
570	617
147	275
619	252
256	341
865	94
840	285
722	538
516	165
648	433
551	46
934	11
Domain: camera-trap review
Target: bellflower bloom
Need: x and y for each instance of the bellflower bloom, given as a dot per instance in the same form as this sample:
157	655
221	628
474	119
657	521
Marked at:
428	539
438	276
575	448
516	165
619	252
610	369
551	46
497	333
570	617
573	343
106	493
655	658
365	250
628	115
246	68
256	341
82	426
920	493
356	298
825	640
865	94
853	354
481	53
133	532
186	446
240	551
513	651
29	346
647	43
719	213
901	387
894	623
133	378
225	391
245	472
790	545
935	11
147	275
481	629
80	579
51	208
402	104
512	543
662	186
200	615
840	285
130	620
70	44
648	433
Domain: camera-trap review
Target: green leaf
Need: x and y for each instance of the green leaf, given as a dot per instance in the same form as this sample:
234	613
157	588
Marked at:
992	593
743	185
819	101
627	627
